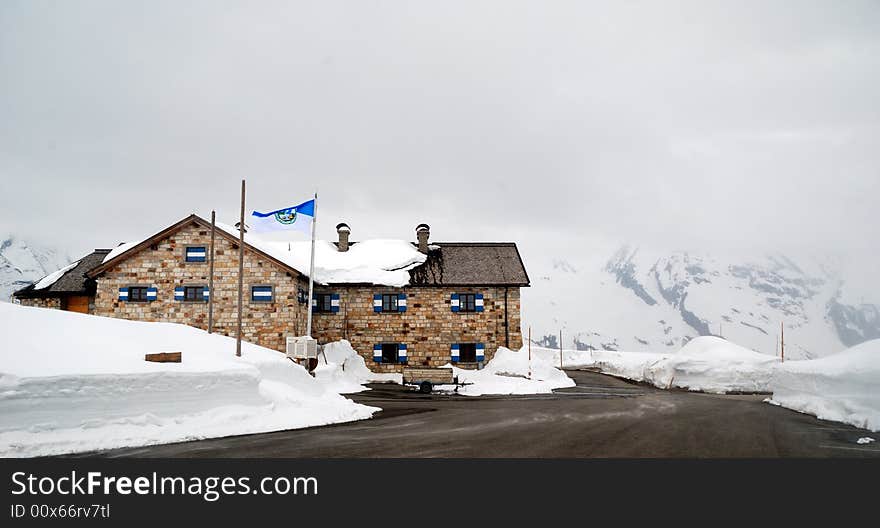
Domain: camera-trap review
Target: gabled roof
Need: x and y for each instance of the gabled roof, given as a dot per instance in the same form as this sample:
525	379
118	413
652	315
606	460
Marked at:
72	282
471	264
189	220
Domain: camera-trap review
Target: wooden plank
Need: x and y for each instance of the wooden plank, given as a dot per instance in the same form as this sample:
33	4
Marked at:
165	357
434	375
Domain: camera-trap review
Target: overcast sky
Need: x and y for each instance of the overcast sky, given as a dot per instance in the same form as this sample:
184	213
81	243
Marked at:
741	125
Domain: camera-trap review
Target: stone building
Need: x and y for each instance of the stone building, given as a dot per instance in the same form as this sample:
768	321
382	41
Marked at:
449	302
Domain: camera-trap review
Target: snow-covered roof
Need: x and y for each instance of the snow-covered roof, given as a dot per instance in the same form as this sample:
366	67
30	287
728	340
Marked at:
53	277
384	262
380	261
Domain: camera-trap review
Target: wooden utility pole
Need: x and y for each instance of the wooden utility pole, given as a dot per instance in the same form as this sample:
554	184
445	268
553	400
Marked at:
240	273
782	341
211	275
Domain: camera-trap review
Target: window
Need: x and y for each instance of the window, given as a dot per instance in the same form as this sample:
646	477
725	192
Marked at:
193	293
137	294
196	254
262	294
389	302
467	302
467	352
389	352
323	303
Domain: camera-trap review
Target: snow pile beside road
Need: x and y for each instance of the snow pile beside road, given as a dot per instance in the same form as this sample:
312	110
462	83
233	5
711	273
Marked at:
341	369
707	363
713	364
844	387
73	382
511	372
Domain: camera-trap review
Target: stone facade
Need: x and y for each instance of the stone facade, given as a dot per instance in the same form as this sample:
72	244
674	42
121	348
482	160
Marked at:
162	266
428	327
47	302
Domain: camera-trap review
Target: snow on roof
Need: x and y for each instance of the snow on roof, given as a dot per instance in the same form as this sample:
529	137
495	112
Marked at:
381	261
52	278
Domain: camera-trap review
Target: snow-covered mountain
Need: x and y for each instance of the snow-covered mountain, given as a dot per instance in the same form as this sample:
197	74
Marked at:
22	263
640	300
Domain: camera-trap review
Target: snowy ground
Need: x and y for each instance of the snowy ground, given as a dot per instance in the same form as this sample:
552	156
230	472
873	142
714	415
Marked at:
72	382
843	387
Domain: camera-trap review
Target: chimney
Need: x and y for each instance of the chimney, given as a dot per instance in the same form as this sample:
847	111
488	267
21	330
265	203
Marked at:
423	231
343	231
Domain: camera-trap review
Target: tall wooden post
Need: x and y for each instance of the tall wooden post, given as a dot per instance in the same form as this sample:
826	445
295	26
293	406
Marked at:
211	275
240	273
530	351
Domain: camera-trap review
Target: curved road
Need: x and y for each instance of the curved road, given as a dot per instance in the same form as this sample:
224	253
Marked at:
600	417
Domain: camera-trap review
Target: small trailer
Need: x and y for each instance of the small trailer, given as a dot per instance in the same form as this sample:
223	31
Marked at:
425	378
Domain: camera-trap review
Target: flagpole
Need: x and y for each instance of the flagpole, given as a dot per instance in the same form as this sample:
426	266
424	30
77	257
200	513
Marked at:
312	266
240	273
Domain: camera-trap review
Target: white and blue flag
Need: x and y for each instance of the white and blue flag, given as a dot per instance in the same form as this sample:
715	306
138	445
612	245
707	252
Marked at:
298	217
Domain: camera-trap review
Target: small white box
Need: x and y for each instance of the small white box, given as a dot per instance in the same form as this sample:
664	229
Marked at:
302	347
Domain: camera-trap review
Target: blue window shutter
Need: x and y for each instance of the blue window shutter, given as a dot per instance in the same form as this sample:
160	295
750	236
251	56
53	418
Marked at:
314	301
262	293
206	293
401	302
481	352
453	351
123	294
152	294
454	302
401	352
377	302
478	302
334	302
196	254
377	353
178	293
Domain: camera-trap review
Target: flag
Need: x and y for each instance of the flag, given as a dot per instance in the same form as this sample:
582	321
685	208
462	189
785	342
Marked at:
298	217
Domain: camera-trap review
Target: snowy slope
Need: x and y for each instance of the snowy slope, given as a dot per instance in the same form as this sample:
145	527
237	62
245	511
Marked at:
75	382
21	263
634	299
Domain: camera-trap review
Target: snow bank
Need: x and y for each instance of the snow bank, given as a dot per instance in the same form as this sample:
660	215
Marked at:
707	363
511	372
844	387
343	370
73	382
53	277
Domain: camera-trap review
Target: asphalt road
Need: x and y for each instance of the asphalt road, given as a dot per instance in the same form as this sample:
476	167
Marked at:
600	417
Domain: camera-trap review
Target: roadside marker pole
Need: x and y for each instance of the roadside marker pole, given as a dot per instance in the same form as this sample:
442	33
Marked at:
560	350
782	341
530	351
240	273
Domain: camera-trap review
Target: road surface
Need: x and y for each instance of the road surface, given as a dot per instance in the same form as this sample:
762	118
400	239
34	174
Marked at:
600	417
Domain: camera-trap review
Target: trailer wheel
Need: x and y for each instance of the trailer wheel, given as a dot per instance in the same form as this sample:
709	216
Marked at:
425	387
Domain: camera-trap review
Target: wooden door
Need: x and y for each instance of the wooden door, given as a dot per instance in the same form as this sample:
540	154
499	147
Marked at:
77	303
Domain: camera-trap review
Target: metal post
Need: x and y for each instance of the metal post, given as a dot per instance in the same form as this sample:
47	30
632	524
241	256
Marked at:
211	276
312	266
240	273
530	351
560	350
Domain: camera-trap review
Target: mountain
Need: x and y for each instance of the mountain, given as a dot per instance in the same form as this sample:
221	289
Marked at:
22	263
641	300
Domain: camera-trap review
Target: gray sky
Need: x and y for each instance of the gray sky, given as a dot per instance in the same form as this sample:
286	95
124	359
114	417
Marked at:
744	125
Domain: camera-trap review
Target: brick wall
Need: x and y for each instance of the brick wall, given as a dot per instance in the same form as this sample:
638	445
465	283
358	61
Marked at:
164	268
51	302
428	327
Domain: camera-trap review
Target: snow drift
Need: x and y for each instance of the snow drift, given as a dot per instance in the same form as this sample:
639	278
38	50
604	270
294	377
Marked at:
844	387
73	382
341	368
510	372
